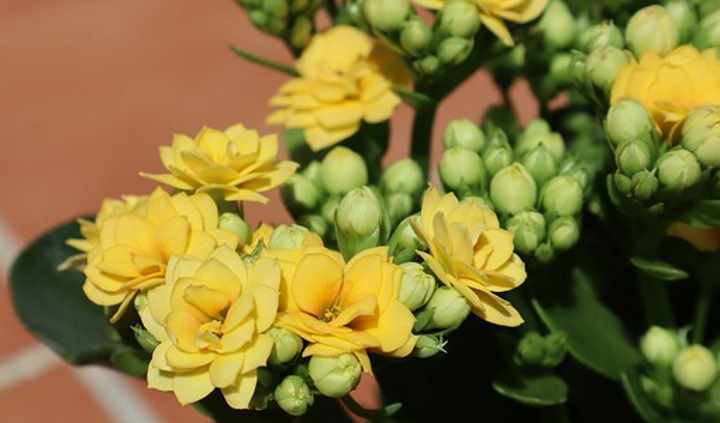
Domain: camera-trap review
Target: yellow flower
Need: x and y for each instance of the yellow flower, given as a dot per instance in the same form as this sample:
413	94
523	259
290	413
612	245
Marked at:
238	163
343	307
345	77
135	245
671	86
703	239
211	318
471	253
494	12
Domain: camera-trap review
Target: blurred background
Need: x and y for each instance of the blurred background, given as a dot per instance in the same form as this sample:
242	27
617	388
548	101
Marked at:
88	91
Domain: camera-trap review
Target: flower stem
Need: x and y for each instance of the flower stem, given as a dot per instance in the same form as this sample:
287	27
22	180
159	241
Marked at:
258	60
702	310
656	301
422	129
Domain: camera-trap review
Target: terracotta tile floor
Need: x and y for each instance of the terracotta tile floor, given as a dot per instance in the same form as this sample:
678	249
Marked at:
88	90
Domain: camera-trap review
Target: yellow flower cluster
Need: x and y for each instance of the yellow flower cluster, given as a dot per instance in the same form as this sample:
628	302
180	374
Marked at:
345	78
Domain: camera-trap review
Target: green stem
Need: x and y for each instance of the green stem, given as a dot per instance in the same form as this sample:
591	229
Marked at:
702	310
656	301
371	415
258	60
422	136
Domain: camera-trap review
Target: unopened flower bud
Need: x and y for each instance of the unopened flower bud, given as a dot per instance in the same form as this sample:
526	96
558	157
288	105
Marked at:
622	183
536	135
398	206
427	346
415	36
627	121
633	157
360	221
231	222
558	25
146	340
651	29
708	34
454	50
290	237
659	346
701	134
530	350
562	196
644	185
465	134
294	396
329	208
459	19
404	242
541	164
706	7
449	308
685	18
312	172
462	170
276	8
545	252
428	65
403	176
513	190
555	349
286	346
386	15
528	229
300	194
301	32
335	376
560	68
678	170
564	233
603	65
416	287
605	34
695	368
315	223
343	170
497	158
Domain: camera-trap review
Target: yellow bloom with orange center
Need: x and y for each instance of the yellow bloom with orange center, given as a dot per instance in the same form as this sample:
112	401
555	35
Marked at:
238	163
134	246
672	86
471	253
493	13
343	307
211	318
346	78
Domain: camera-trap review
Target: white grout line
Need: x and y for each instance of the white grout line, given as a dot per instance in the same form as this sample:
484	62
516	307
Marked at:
109	389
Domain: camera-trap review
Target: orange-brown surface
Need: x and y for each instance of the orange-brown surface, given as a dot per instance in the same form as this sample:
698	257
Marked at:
88	91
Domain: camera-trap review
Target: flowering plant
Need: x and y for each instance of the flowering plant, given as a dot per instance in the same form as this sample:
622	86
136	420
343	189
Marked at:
578	247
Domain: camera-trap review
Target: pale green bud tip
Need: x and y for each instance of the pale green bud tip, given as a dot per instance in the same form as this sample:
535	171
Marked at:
415	36
459	19
335	376
684	16
603	65
293	395
659	346
644	185
462	169
464	133
555	349
449	308
312	172
359	212
146	340
288	237
538	133
701	134
513	190
329	208
601	35
286	346
528	229
315	223
541	164
633	156
231	222
564	233
398	206
628	120
404	242
695	368
427	346
454	50
560	68
386	15
562	196
651	29
301	194
497	158
558	25
416	287
429	64
342	170
544	252
531	349
403	176
708	34
678	170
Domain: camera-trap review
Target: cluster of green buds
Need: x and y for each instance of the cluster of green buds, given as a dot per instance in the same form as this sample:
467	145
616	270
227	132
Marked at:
535	350
535	186
291	20
401	186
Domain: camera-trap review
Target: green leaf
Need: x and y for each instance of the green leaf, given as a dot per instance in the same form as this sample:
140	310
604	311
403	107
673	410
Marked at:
534	390
595	335
413	98
262	61
130	361
705	213
639	400
52	305
659	269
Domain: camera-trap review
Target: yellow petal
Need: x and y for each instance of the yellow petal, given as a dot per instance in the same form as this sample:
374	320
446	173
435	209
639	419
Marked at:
101	297
219	277
316	283
193	386
211	302
257	353
173	236
498	311
266	305
238	337
159	380
497	27
238	311
238	395
394	327
182	327
225	369
180	360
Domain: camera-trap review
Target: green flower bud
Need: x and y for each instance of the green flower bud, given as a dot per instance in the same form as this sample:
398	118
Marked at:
294	396
454	50
603	65
497	158
336	376
231	222
513	190
312	172
633	157
695	368
462	170
685	18
479	201
562	196
428	65
622	183
678	170
275	8
301	32
605	34
564	233
404	242
449	308
537	127
627	121
459	19
300	194
651	29
315	223
465	134
536	134
530	350
415	36
398	206
360	221
541	164
329	208
701	134
644	185
707	7
416	287
560	68
427	346
386	15
286	346
528	229
343	170
708	34
555	349
558	25
403	176
545	253
660	346
290	237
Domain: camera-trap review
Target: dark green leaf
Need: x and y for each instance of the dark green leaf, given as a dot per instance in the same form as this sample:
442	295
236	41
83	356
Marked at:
413	98
262	61
659	269
639	400
52	305
533	390
705	213
130	361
